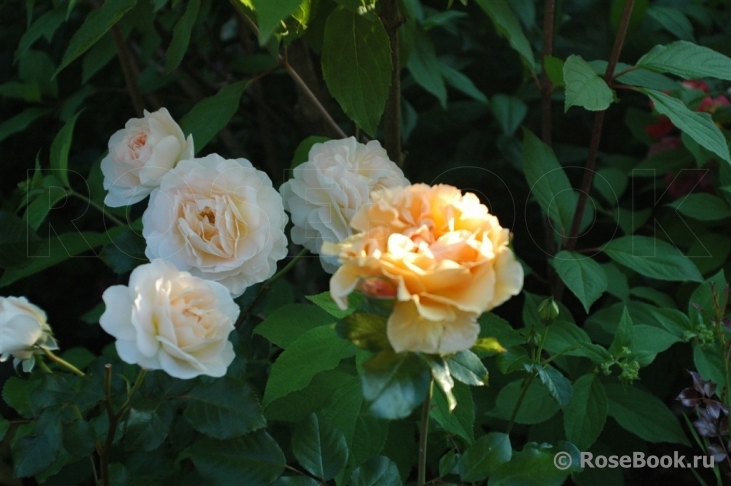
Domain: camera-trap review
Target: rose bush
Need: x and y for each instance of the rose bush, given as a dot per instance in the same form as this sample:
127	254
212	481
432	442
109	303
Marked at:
170	320
23	327
325	192
218	219
140	155
445	255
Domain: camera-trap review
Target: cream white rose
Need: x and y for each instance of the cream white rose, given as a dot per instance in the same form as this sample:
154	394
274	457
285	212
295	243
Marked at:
218	219
170	320
23	328
140	154
326	191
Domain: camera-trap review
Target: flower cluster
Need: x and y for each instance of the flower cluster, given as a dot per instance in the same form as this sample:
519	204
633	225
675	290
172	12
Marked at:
213	227
441	255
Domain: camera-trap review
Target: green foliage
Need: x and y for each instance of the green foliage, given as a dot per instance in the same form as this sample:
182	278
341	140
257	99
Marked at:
319	447
181	36
356	66
582	275
95	26
584	87
211	114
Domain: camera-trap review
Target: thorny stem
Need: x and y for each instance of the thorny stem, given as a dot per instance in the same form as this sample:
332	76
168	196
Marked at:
392	20
546	85
111	430
295	77
58	360
424	432
529	379
99	208
268	284
114	418
596	135
130	78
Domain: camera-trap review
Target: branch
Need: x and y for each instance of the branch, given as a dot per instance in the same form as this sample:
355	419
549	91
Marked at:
596	136
130	77
392	20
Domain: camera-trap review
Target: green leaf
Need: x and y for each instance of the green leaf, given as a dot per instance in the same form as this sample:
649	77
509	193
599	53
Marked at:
270	14
18	241
699	126
56	250
484	456
557	384
535	465
60	151
302	155
97	23
652	258
623	335
426	68
181	35
514	359
509	111
45	26
442	378
492	325
648	341
39	208
703	295
286	324
148	427
548	182
394	384
582	275
124	253
224	409
462	83
459	421
644	415
554	69
97	57
356	64
319	447
35	446
709	362
254	459
584	87
211	114
17	393
466	367
377	471
507	25
586	413
20	122
538	405
79	438
325	302
703	207
672	20
687	60
367	331
316	350
295	481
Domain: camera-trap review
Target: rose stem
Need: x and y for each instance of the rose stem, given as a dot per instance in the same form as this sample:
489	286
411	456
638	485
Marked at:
426	406
268	284
96	206
53	357
392	20
125	60
295	77
596	135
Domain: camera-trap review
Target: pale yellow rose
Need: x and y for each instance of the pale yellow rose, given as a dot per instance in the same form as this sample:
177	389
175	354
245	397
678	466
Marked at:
446	256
